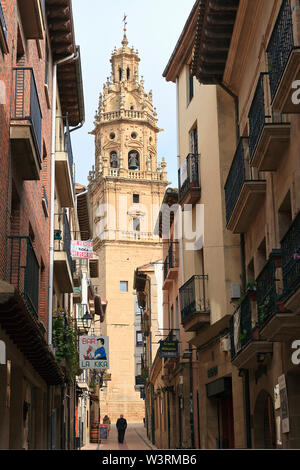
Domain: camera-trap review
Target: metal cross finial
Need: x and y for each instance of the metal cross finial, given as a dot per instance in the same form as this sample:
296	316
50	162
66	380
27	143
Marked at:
124	21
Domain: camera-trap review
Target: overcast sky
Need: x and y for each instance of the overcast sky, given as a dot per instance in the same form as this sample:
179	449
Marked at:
153	27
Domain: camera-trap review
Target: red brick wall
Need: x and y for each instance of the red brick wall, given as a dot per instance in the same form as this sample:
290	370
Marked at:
29	192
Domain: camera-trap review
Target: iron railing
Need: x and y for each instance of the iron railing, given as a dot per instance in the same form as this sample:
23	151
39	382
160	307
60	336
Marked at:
194	297
290	252
240	172
280	46
172	259
62	237
24	270
189	174
139	380
241	326
266	292
2	21
261	114
26	103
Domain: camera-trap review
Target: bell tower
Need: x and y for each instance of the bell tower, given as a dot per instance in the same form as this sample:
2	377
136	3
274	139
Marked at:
126	188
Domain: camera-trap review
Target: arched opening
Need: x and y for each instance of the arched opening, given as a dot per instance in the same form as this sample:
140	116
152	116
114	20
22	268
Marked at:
128	73
264	422
120	74
133	160
113	159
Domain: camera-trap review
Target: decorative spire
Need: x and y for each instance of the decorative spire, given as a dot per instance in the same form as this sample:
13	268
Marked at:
125	40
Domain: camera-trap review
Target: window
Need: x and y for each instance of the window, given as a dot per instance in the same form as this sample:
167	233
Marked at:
123	286
194	141
136	224
128	73
190	86
139	338
136	198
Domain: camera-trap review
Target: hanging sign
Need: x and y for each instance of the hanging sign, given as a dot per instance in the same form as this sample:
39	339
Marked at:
94	352
168	348
81	249
284	405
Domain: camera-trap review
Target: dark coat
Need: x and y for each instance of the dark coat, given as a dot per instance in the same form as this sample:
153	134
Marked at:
121	424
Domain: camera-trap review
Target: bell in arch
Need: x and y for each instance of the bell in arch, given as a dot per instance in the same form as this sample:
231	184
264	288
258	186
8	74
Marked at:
133	160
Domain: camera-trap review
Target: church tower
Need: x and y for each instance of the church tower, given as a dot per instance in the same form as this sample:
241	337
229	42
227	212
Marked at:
127	186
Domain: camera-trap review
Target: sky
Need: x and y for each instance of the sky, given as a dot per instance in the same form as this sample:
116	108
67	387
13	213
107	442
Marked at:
153	28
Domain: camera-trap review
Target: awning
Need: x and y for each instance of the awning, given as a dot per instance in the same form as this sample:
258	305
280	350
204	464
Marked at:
219	388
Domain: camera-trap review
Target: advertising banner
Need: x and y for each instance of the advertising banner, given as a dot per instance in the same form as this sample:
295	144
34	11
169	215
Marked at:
94	352
81	249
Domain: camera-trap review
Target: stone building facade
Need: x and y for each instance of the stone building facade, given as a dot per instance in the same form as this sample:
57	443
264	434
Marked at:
126	187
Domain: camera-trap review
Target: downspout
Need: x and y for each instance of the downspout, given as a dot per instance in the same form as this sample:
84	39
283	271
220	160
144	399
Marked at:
245	372
70	58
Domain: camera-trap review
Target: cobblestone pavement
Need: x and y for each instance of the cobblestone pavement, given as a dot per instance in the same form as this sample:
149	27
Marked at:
135	439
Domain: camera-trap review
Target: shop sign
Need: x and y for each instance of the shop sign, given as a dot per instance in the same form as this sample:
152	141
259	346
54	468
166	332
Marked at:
94	352
2	352
81	249
168	348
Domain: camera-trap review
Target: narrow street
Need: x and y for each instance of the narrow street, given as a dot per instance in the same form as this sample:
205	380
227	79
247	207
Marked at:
135	439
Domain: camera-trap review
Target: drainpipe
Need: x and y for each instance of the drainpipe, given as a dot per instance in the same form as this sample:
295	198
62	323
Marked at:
244	373
70	58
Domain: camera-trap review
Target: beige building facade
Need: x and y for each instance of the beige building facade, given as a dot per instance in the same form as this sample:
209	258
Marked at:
126	188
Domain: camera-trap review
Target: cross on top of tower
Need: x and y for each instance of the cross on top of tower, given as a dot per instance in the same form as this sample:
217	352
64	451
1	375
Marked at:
125	40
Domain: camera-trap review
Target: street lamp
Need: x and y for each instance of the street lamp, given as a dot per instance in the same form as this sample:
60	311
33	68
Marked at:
87	321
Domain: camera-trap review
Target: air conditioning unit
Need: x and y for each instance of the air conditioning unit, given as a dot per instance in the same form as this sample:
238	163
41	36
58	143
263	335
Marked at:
235	291
225	344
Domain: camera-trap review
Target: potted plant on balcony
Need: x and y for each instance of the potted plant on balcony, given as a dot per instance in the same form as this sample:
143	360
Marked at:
65	343
263	310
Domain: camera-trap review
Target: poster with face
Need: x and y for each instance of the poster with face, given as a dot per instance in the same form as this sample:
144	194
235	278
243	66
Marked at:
94	352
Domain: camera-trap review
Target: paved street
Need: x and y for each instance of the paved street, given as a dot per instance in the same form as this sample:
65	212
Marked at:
135	439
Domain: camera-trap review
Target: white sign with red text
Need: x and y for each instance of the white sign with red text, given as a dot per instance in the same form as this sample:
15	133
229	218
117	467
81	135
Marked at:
81	249
94	352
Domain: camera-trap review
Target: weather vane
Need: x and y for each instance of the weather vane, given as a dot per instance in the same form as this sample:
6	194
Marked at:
124	21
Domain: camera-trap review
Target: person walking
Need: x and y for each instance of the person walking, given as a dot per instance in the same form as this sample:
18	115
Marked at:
121	427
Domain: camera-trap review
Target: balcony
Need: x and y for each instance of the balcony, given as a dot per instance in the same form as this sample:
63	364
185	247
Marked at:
269	134
24	271
63	265
171	264
139	380
77	295
276	322
189	180
246	343
3	31
26	125
64	177
290	251
195	310
32	20
244	190
283	55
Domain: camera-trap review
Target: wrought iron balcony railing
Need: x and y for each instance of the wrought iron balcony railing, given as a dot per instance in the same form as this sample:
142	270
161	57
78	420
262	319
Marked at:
24	270
241	326
260	113
280	46
267	292
62	237
290	252
139	380
194	297
189	175
240	173
172	259
26	103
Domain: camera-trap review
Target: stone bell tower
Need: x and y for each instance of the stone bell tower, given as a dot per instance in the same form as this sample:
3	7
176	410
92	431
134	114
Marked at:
127	186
